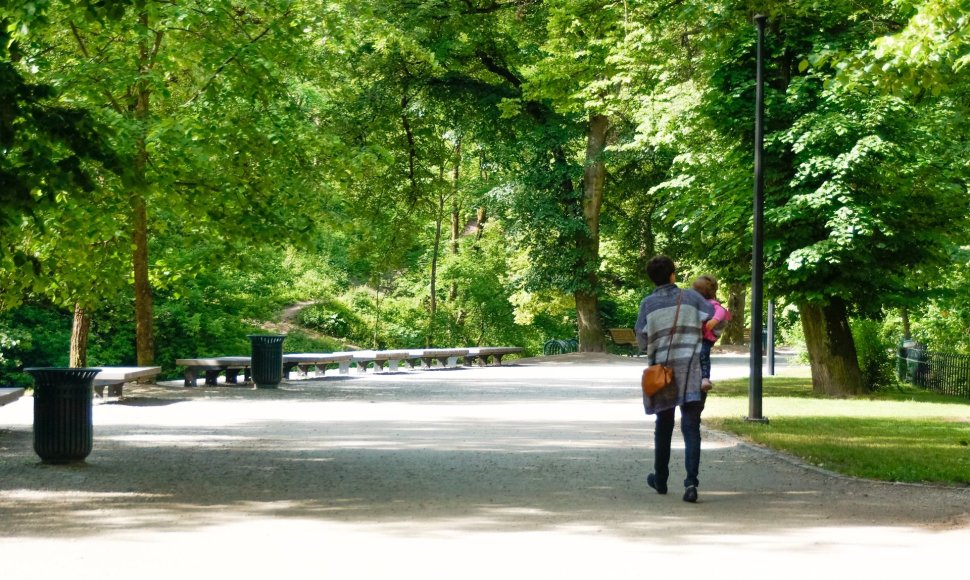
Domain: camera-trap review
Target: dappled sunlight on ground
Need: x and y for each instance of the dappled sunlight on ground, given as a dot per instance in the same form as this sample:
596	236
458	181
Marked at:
478	473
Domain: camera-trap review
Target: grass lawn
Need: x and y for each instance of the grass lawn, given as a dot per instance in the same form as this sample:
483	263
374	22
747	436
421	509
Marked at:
898	434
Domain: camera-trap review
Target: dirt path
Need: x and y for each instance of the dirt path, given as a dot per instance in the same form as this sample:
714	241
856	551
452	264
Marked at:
527	471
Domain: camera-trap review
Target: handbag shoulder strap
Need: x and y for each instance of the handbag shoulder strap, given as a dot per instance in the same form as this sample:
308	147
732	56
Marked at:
673	329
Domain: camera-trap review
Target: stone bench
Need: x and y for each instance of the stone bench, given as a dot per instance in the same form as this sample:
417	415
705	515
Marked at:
393	358
114	378
213	367
480	355
446	357
318	360
10	394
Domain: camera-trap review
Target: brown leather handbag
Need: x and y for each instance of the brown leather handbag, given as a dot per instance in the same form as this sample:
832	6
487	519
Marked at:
657	376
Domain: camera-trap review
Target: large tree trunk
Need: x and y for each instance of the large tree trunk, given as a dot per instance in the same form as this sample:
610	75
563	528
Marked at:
591	335
80	330
144	333
831	350
433	290
734	331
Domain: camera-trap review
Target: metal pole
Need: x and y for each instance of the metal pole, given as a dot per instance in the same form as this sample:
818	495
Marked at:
771	337
757	253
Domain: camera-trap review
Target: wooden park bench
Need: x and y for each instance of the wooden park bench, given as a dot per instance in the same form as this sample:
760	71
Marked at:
213	367
10	394
114	378
480	355
318	360
446	357
625	338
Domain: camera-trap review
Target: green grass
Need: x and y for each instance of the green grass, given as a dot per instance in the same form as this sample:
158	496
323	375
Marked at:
899	434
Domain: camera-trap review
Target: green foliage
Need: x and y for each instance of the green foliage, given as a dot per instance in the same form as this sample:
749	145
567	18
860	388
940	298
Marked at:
32	335
927	55
876	354
943	322
312	152
848	217
334	319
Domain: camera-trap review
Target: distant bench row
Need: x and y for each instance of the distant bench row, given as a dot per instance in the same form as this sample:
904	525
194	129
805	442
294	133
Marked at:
212	367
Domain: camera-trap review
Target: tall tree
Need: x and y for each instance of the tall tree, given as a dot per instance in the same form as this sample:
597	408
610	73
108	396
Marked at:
841	239
193	93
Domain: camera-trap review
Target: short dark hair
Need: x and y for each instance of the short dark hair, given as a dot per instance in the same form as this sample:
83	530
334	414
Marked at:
659	269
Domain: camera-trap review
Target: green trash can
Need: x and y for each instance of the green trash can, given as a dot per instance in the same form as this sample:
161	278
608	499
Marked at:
63	425
267	360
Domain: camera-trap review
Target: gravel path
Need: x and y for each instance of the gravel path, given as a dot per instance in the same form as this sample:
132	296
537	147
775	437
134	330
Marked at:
533	470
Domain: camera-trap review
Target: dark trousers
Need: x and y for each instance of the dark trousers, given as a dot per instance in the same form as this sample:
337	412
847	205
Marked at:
690	426
706	346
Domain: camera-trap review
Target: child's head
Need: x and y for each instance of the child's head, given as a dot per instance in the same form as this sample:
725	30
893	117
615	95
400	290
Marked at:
706	286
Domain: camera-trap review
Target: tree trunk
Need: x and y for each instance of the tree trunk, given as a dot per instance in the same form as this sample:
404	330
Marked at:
455	216
80	330
907	329
831	350
591	335
734	331
144	334
435	250
480	218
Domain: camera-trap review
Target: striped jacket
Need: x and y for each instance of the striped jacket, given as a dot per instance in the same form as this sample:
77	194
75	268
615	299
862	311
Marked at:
653	326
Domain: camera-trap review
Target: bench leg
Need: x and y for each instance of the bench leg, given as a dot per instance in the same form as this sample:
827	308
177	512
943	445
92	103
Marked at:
287	368
191	374
212	377
232	376
344	367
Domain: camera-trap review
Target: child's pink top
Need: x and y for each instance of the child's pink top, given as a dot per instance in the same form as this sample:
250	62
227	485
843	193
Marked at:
721	316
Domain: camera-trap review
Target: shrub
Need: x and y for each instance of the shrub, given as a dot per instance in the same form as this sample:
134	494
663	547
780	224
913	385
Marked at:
332	318
874	351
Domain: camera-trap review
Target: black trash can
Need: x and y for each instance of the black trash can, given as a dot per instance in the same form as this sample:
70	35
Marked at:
63	425
267	360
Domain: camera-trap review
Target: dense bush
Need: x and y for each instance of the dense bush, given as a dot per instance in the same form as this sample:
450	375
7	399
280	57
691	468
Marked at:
331	318
875	353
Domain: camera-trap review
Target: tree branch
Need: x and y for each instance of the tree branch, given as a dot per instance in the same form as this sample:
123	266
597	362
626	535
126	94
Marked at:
229	60
84	51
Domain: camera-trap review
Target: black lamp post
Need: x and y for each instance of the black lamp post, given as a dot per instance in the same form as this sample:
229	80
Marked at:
757	253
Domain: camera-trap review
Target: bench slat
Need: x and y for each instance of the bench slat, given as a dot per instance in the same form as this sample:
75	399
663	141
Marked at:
10	394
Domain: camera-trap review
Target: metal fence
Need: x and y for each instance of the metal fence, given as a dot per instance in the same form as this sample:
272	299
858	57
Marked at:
944	373
559	346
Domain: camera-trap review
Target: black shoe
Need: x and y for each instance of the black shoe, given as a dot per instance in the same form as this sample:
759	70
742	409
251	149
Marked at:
660	487
690	494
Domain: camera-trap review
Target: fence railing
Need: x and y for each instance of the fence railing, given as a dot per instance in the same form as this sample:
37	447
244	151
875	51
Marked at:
944	373
559	346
